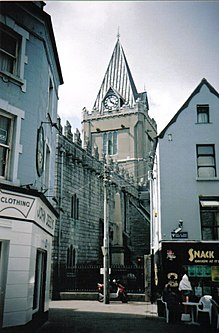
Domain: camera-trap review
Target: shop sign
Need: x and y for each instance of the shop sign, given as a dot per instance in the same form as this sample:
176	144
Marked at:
19	206
15	205
170	255
202	256
187	253
44	217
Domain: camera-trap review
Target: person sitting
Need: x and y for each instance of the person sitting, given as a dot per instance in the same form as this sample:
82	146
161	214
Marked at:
173	300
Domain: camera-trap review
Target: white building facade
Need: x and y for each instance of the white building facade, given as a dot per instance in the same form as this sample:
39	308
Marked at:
185	194
29	78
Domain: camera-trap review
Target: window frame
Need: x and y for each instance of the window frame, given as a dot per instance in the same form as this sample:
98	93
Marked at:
6	109
110	143
13	59
206	228
74	207
9	25
206	166
203	109
8	147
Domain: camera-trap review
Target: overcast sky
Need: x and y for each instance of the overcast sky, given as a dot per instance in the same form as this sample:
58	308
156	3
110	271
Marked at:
170	47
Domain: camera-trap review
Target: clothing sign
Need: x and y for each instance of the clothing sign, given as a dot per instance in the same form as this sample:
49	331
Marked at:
17	205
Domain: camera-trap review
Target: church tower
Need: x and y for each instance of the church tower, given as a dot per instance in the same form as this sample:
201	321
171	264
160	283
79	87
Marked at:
119	125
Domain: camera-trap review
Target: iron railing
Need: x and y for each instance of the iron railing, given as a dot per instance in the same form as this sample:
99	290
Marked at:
86	277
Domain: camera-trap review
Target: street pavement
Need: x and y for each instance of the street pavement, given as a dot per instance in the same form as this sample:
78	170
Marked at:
94	317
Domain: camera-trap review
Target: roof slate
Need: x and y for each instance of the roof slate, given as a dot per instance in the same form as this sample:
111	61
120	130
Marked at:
119	78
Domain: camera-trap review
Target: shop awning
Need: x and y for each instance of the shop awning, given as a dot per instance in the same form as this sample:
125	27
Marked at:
209	203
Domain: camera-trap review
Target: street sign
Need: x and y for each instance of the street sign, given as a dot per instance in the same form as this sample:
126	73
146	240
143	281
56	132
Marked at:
179	235
102	271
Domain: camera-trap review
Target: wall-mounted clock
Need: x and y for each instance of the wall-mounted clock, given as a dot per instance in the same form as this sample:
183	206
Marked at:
111	101
40	151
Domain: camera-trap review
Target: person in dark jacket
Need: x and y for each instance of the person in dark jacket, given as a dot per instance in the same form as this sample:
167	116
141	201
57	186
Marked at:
173	300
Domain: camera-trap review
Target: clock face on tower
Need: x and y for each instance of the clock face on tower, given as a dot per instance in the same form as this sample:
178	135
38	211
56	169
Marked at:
40	151
111	101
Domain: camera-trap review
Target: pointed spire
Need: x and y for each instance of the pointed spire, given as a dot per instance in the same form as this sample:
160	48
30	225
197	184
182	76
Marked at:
118	78
118	34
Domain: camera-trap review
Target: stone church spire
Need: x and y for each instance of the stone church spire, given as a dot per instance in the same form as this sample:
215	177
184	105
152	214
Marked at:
119	124
117	81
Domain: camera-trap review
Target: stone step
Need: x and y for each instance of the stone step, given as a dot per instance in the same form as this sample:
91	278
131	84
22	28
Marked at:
87	295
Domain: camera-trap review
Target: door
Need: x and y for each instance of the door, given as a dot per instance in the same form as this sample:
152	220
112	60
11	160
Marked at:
4	247
40	281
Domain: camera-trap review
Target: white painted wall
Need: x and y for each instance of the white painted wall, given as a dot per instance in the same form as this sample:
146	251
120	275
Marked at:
177	187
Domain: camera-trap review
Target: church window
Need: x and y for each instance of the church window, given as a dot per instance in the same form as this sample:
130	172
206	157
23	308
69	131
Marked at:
71	257
110	143
74	207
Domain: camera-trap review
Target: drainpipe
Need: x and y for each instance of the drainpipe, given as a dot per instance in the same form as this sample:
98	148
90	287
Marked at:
60	211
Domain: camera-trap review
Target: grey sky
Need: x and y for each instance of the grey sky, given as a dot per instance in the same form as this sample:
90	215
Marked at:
169	45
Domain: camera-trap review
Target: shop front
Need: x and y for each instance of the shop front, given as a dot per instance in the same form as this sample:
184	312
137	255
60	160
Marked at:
199	259
27	223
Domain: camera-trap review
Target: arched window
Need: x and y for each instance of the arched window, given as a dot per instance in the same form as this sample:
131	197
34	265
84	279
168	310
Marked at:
110	143
71	257
74	207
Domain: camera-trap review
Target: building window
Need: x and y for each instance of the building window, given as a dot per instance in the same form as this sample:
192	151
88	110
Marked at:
202	114
71	257
50	98
209	211
9	50
5	144
74	207
206	161
12	52
110	143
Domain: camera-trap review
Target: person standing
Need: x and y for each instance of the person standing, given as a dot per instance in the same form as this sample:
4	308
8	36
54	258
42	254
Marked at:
185	289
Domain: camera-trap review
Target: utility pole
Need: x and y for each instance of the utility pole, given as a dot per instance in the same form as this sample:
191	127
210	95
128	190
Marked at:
106	236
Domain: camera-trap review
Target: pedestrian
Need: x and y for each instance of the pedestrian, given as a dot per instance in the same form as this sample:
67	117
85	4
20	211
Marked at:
185	288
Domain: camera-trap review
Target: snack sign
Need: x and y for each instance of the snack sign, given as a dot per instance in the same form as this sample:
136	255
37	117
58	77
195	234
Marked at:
202	256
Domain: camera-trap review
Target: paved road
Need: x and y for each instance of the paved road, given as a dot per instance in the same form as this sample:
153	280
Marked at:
95	317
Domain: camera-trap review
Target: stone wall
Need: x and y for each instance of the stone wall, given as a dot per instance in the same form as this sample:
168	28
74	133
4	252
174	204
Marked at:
80	177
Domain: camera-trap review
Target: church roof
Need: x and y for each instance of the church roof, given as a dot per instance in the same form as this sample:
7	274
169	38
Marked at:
118	78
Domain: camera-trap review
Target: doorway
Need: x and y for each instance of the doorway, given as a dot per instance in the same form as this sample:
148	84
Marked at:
40	281
4	250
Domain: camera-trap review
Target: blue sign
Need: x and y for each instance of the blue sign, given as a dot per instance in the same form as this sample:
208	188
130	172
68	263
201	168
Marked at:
179	235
